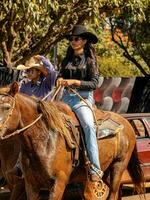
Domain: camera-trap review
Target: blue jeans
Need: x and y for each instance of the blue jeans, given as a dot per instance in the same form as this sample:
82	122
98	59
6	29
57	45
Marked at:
86	118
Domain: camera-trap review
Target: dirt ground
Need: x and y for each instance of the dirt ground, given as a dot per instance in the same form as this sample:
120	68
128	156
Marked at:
137	197
127	194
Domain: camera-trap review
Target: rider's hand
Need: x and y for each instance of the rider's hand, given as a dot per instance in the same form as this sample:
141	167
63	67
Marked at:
38	57
68	82
59	82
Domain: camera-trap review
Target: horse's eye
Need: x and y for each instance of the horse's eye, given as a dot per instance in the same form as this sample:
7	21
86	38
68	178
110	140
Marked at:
7	106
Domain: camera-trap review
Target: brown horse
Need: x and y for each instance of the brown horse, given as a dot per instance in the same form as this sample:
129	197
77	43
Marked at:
46	157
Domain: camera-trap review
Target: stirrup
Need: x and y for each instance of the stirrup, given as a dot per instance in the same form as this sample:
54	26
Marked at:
95	189
101	190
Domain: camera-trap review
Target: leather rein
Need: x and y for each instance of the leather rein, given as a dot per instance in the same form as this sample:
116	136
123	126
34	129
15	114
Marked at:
4	126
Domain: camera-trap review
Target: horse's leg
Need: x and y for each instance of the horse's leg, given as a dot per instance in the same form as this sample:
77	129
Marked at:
16	185
59	186
32	193
120	192
115	177
18	192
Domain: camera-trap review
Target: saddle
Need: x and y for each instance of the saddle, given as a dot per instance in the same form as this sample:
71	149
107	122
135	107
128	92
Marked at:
106	126
100	115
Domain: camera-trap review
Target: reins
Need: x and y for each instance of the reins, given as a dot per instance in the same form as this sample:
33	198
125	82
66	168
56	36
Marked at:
54	95
39	117
22	129
32	123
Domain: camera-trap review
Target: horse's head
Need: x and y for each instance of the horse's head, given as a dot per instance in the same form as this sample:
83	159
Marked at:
9	115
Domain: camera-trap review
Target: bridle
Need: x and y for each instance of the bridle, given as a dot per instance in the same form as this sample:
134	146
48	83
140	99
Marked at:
5	126
10	113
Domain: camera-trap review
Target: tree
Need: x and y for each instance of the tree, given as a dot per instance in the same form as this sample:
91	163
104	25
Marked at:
33	27
110	59
132	35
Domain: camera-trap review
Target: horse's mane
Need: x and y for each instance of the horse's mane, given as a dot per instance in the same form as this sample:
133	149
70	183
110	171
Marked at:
52	116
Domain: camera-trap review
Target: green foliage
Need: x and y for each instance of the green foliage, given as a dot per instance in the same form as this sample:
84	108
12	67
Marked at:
110	58
136	46
34	27
116	67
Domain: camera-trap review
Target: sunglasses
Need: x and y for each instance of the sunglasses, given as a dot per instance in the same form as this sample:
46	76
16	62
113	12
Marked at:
74	38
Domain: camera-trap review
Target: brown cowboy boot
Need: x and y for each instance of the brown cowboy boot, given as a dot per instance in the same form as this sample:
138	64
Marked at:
95	189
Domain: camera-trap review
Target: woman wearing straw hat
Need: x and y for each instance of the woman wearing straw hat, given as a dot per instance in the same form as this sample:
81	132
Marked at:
79	70
41	75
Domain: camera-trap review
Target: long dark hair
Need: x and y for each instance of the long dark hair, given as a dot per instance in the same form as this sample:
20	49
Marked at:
89	52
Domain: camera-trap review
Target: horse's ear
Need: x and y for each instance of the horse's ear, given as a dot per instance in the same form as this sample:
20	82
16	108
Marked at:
14	88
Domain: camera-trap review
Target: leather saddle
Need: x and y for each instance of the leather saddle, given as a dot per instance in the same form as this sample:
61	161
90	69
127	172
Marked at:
106	127
100	115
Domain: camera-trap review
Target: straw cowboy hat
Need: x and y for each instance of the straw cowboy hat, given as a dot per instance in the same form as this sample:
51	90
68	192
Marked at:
33	62
81	31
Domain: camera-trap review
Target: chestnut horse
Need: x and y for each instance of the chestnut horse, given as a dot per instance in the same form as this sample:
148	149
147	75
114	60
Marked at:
46	158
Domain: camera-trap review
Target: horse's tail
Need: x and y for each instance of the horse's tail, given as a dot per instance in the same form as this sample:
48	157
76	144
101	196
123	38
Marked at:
136	172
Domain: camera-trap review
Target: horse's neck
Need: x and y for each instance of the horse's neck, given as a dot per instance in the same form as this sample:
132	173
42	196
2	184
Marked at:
37	139
27	108
39	148
28	114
